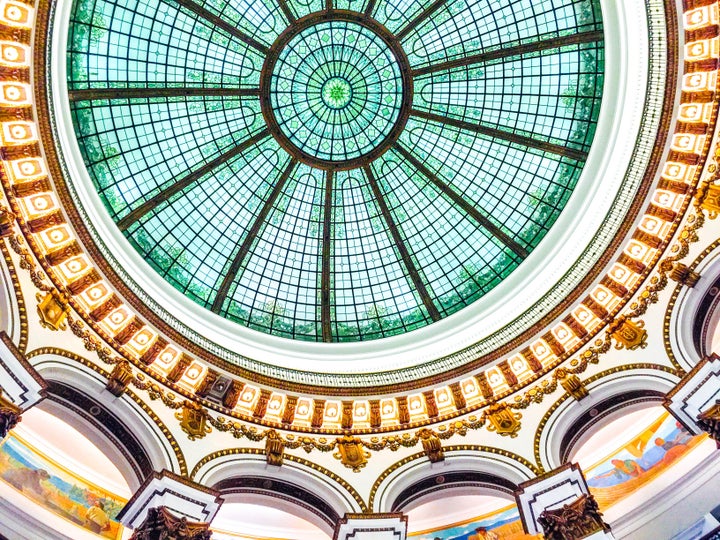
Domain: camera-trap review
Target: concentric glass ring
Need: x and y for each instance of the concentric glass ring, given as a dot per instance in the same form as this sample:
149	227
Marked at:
336	91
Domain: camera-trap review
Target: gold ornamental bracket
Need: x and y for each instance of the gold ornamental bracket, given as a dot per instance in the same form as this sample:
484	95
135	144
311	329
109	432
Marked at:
274	449
503	420
571	383
119	378
53	309
193	420
708	196
431	445
351	453
628	334
7	222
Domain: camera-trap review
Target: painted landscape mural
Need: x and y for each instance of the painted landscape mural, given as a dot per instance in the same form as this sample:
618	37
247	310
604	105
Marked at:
646	456
55	488
504	524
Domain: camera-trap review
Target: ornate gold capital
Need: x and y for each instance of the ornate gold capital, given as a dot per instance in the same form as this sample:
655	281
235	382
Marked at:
119	378
571	383
274	448
431	445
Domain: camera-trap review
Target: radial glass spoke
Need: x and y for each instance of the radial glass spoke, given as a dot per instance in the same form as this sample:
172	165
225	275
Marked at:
262	20
190	240
372	295
460	261
135	148
521	191
396	14
170	47
277	289
459	30
552	97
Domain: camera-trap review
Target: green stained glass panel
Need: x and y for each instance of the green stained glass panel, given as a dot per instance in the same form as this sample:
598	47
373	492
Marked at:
322	179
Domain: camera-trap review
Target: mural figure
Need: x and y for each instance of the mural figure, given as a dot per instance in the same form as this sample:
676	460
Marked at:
96	519
648	454
481	533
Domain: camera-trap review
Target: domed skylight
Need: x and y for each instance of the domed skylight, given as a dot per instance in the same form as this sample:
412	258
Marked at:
338	170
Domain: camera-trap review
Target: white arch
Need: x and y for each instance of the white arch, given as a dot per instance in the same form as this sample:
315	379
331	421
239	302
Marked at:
682	318
231	466
86	381
617	384
478	461
9	313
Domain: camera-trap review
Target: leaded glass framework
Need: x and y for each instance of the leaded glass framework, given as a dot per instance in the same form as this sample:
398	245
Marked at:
338	170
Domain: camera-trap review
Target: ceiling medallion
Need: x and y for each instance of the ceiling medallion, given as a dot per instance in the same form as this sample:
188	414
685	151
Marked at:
336	90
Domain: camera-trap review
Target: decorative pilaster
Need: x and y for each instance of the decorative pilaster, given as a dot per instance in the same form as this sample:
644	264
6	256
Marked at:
160	524
709	421
559	505
21	386
9	416
168	506
695	400
371	527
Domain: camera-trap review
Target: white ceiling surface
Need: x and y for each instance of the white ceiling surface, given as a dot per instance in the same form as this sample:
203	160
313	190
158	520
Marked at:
240	520
449	509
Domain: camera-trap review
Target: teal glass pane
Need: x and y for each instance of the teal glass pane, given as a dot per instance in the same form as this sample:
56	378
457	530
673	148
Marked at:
553	96
461	29
135	148
459	260
150	43
336	91
373	295
520	191
192	239
278	289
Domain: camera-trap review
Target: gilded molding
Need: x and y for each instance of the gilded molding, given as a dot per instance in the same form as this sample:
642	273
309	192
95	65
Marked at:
452	448
140	402
673	300
596	377
288	457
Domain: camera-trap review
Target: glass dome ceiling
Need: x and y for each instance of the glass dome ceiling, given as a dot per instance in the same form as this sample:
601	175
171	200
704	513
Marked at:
332	171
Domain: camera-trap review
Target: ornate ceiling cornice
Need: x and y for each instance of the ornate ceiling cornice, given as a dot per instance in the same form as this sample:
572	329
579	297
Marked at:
77	289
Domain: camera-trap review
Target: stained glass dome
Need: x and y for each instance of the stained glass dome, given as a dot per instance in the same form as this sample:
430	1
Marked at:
343	170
